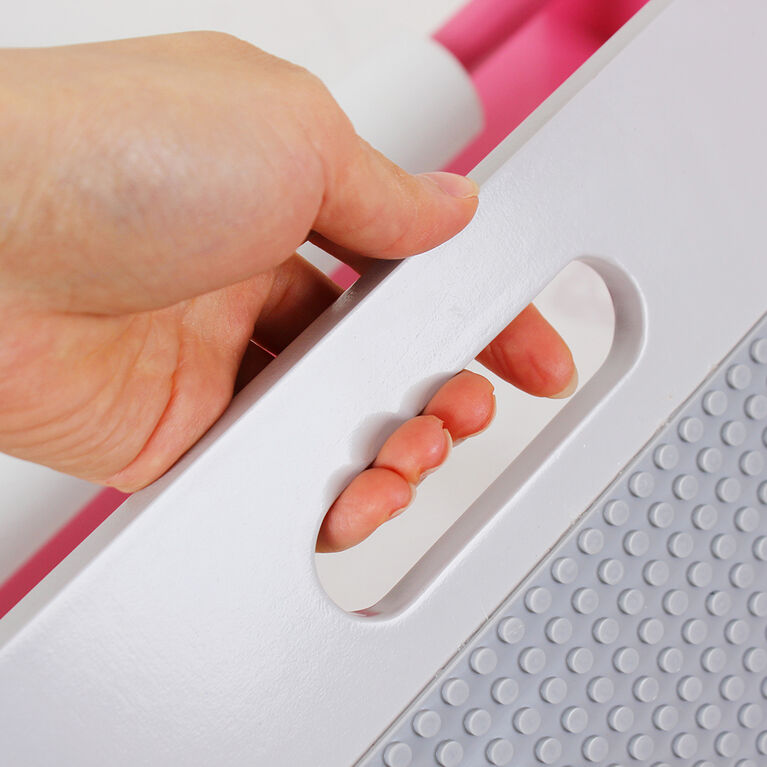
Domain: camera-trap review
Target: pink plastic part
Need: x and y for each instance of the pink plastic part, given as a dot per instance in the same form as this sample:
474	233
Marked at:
533	62
59	546
483	25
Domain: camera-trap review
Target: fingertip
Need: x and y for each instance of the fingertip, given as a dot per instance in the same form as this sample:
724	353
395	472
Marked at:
373	497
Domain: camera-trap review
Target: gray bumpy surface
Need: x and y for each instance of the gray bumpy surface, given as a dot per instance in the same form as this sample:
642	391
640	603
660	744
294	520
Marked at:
640	638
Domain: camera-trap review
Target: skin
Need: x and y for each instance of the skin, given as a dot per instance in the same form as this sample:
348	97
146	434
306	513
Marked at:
152	194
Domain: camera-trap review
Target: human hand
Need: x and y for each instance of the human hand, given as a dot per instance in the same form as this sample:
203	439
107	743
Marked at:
152	194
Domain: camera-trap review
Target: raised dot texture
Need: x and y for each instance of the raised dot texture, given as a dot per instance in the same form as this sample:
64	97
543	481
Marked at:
511	630
621	718
641	639
718	603
733	433
728	490
646	689
636	543
666	457
675	602
455	692
611	571
590	541
747	519
427	723
694	631
680	545
505	691
750	715
723	546
708	716
554	690
671	660
732	688
575	719
585	601
640	747
548	750
685	745
398	755
656	572
601	689
710	460
626	660
689	688
616	513
532	660
758	351
756	407
606	630
661	514
690	429
595	748
631	601
757	604
559	630
477	721
739	376
449	753
651	630
665	718
755	660
499	752
715	402
538	600
736	631
727	744
641	484
685	487
580	660
483	660
742	576
699	574
704	516
752	463
564	570
714	659
527	721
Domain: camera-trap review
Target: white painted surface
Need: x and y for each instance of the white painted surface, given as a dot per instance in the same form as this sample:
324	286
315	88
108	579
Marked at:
191	629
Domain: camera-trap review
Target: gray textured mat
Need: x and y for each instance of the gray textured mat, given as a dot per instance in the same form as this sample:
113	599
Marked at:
640	639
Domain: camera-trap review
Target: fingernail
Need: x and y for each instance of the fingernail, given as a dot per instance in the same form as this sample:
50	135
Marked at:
448	448
569	389
453	184
397	512
490	420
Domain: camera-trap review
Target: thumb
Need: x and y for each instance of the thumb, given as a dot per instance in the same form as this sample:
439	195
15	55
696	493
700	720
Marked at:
371	207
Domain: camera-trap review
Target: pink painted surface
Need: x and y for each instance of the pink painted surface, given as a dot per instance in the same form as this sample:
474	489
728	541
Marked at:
480	27
526	67
63	542
518	51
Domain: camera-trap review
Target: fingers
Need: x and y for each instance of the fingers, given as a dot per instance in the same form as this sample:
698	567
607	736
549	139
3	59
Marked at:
380	493
532	356
372	498
463	406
